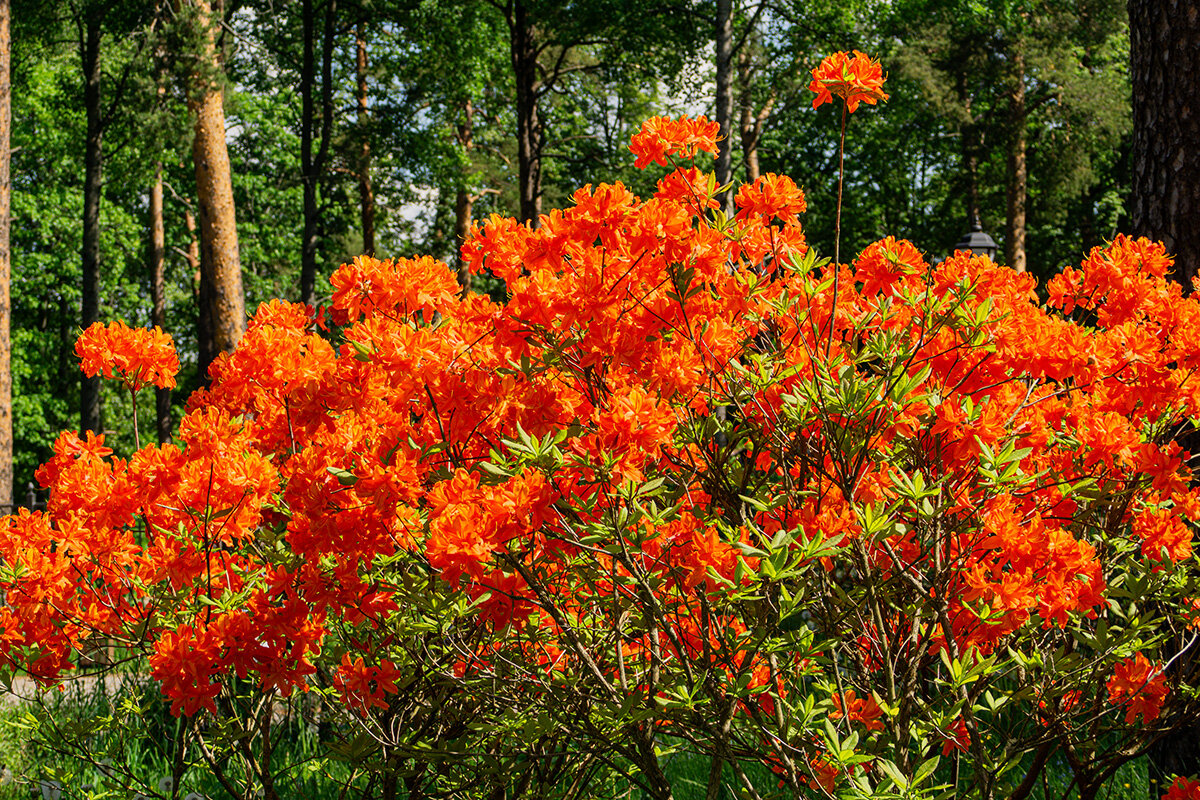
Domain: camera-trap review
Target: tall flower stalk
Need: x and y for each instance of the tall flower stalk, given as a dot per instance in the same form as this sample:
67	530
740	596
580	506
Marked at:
856	79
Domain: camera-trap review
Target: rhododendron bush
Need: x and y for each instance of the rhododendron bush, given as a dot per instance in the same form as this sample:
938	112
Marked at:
877	528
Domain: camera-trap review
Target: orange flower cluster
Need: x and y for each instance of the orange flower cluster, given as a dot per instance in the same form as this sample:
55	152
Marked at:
661	137
858	709
1139	687
363	686
854	78
1182	789
771	196
136	356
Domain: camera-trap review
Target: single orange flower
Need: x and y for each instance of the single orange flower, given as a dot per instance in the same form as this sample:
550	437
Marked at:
956	738
856	79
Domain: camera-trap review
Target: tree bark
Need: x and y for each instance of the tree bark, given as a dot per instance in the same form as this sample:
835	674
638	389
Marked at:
463	199
156	253
1164	205
6	421
530	131
221	294
724	109
204	340
308	237
970	153
93	161
1165	73
462	228
751	124
1018	177
156	266
313	166
366	192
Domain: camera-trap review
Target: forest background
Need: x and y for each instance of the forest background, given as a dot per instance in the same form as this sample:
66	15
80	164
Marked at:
382	127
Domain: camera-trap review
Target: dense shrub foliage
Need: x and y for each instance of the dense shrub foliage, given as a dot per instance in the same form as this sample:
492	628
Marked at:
878	527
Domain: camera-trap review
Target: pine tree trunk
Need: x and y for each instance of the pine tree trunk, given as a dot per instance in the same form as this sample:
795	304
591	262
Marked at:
724	109
308	237
1087	222
463	203
313	166
308	167
1165	73
462	199
751	124
6	421
193	251
749	135
1018	177
366	192
93	160
529	125
221	297
156	267
205	349
970	153
1164	205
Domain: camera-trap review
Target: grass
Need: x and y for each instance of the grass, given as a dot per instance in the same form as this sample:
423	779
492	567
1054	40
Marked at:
689	779
132	731
97	746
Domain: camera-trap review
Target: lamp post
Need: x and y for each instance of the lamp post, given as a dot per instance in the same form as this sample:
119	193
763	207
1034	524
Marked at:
977	241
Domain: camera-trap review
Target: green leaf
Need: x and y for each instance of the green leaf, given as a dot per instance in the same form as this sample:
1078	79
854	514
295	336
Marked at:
794	621
925	770
832	741
344	477
493	469
893	773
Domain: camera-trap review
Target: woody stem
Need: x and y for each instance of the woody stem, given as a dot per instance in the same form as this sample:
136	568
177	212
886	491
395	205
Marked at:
837	224
837	228
137	441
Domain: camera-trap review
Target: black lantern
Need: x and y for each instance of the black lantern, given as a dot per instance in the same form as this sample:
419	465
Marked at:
977	241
